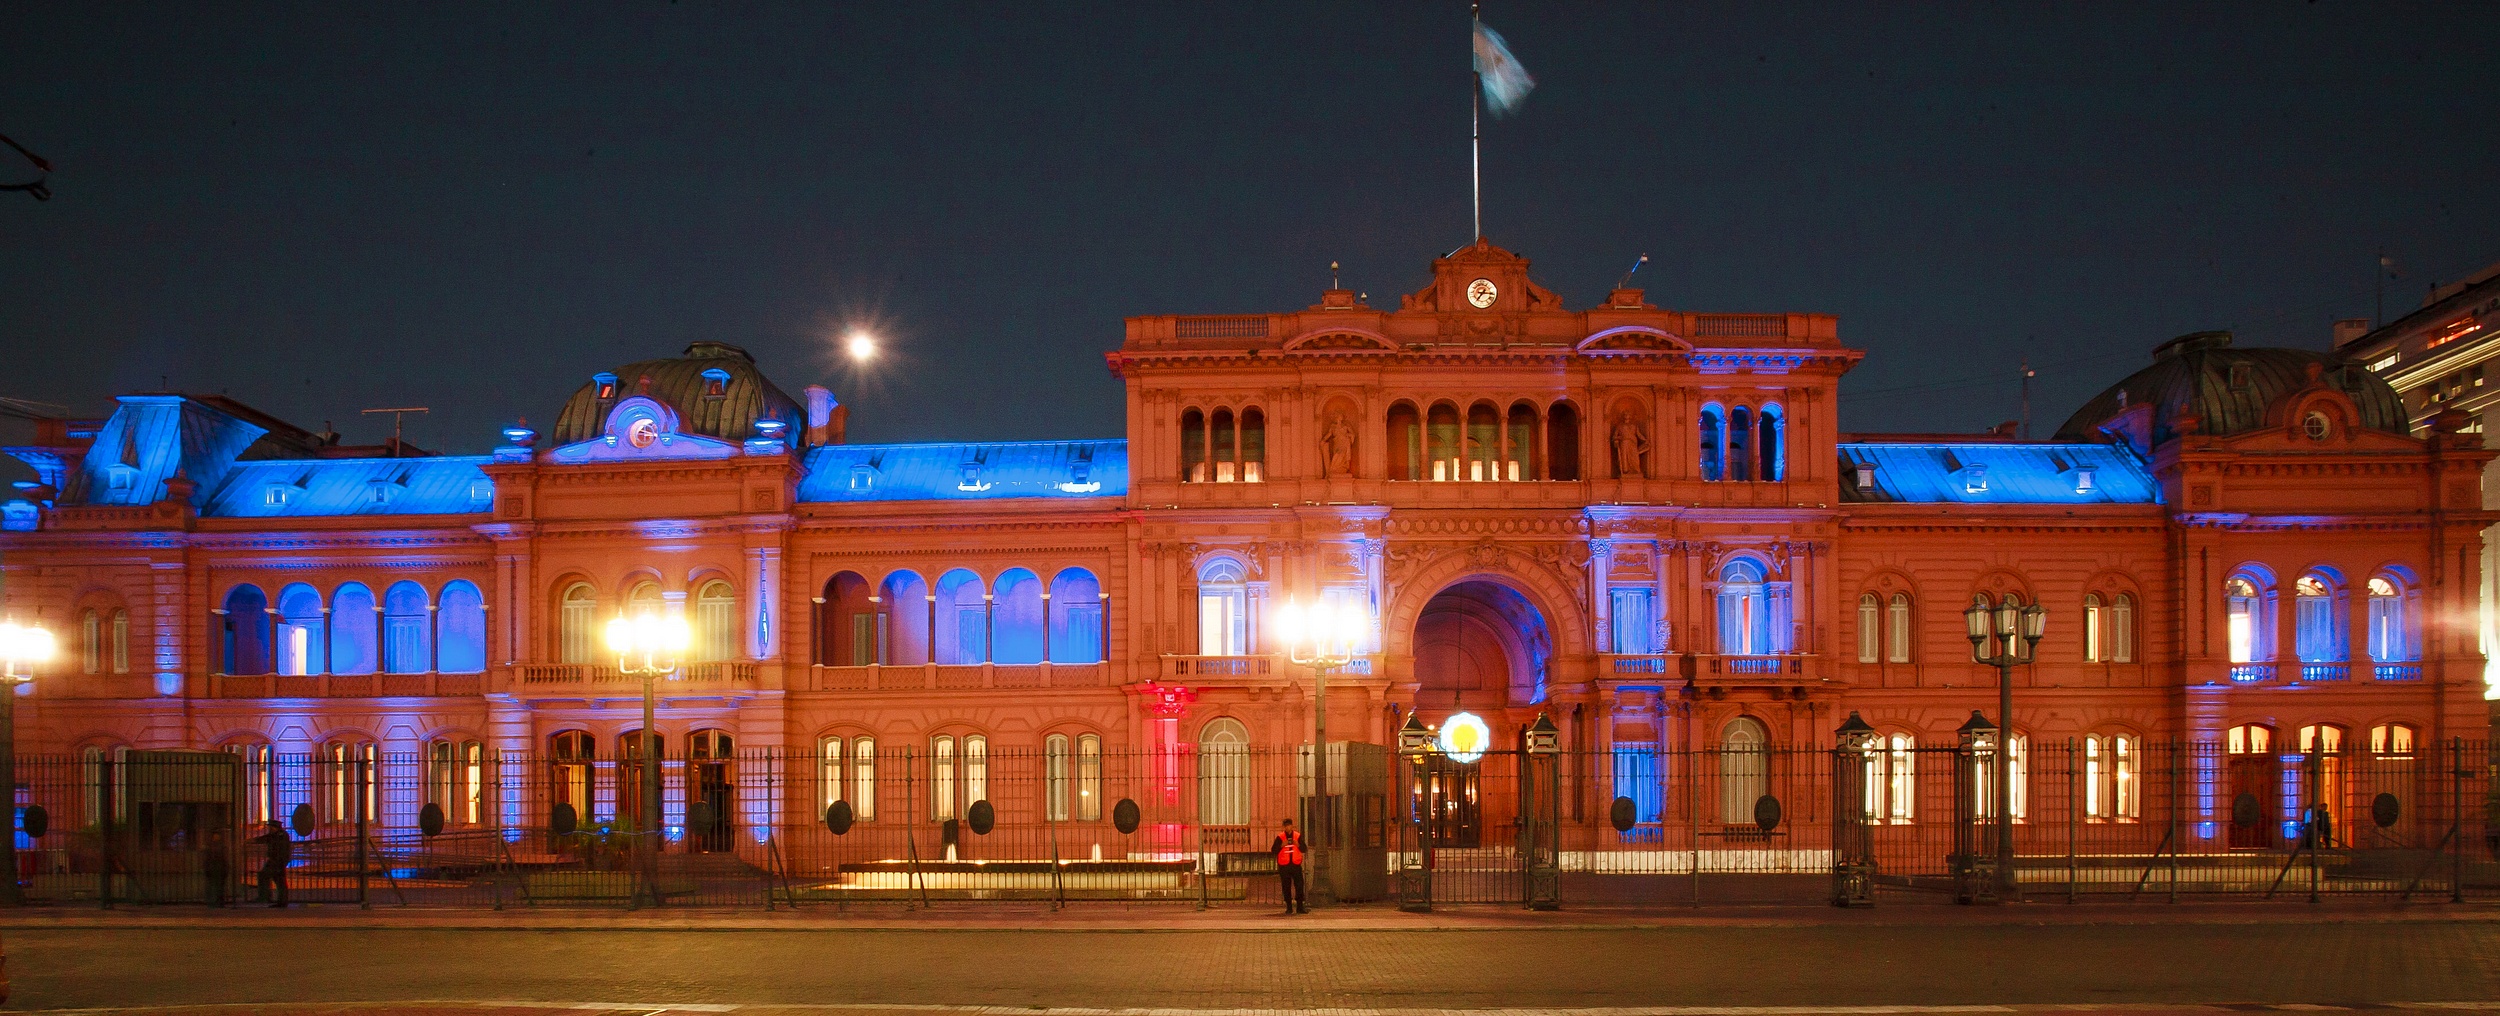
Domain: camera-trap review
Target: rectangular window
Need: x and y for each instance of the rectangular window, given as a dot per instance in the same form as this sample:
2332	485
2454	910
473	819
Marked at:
1088	778
1633	622
864	779
942	778
2092	631
2122	631
1898	617
828	773
121	642
1870	634
1055	777
1223	628
1636	777
867	639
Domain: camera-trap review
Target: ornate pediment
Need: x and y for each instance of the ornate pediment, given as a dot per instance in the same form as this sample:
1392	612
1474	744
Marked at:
1340	340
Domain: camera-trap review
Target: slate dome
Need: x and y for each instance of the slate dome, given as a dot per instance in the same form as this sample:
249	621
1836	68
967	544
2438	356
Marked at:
2230	388
730	414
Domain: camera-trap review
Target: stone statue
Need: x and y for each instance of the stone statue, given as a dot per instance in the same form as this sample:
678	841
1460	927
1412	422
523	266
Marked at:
1337	447
1631	448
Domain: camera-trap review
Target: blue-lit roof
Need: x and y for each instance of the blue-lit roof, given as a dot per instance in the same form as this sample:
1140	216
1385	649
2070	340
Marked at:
298	488
956	472
1981	472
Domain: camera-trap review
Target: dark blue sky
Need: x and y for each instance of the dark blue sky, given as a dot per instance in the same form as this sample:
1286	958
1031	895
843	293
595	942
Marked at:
320	209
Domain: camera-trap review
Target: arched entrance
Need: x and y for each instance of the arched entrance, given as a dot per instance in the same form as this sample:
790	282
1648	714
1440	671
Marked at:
1483	648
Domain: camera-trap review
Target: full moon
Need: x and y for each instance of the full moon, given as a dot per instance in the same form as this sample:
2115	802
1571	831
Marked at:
861	346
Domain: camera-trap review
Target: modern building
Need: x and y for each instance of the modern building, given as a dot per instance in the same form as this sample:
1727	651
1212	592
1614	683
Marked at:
2439	359
1651	525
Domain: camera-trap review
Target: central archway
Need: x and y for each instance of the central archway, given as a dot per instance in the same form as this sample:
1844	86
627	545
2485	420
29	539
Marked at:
1482	646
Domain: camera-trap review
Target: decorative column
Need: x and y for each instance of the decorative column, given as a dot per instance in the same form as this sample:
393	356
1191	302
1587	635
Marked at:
1663	639
1601	596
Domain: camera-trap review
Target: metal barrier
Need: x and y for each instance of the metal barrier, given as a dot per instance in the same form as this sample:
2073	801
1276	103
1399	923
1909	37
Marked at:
961	823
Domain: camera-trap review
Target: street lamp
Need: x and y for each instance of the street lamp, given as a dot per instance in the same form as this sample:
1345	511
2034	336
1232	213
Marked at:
20	646
1324	637
649	646
2003	637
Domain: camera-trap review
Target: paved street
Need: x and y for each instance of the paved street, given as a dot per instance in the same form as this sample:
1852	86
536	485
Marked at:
2296	956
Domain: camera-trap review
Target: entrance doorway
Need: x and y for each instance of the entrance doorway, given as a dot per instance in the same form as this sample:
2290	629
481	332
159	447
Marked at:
708	810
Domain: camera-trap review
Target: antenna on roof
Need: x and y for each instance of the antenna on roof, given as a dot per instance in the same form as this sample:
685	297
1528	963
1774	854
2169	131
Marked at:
397	414
1626	280
2028	374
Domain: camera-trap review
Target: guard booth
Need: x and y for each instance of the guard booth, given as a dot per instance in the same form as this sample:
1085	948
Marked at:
181	825
1349	818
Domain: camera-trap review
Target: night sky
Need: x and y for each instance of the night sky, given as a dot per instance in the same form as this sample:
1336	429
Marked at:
472	207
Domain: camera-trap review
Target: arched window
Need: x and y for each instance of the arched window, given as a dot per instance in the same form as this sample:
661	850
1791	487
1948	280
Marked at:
2318	631
2109	778
907	604
1774	445
1222	446
976	769
246	626
1892	779
1744	769
1441	442
1088	778
1739	443
259	763
1870	628
407	630
645	600
2122	629
1224	773
2392	740
1484	442
460	635
864	779
577	624
2091	627
355	623
91	642
1713	442
2249	739
2018	780
1016	629
351	775
2391	631
716	627
1519	443
1897	621
1562	442
1193	447
303	637
1253	445
2249	633
1076	617
851	625
632	748
829	782
1058	757
1223	609
121	641
1406	442
963	618
1744	610
942	777
572	753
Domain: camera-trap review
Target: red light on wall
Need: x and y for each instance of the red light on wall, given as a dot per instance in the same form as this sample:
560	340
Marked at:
2457	329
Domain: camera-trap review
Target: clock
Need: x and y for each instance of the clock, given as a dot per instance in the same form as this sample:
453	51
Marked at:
1482	292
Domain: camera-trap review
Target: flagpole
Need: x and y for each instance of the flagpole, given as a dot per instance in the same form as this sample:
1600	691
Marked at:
1475	123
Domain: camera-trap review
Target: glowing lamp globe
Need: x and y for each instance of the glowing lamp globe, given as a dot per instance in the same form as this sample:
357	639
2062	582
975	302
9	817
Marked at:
1464	737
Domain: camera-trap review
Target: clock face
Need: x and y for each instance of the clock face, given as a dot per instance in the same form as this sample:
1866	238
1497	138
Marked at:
1481	293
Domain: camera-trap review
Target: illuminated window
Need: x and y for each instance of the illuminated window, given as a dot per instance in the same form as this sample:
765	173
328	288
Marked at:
828	773
2122	629
1897	621
2392	740
1056	761
1194	447
260	781
355	625
2018	782
1892	779
2318	633
460	630
1633	621
942	777
715	383
1744	610
573	753
606	385
2092	628
577	624
91	642
455	779
407	630
351	773
2391	634
716	622
2246	614
302	635
2249	739
976	769
1223	609
1713	442
864	779
1740	443
1088	778
2109	778
1224	773
2316	426
1441	442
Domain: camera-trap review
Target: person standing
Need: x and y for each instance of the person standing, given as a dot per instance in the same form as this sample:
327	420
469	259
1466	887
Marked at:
1288	850
279	851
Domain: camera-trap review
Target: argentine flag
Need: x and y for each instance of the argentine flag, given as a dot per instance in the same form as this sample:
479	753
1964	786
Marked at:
1506	83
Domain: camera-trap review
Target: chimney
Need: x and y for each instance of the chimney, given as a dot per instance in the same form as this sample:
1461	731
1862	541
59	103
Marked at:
2350	329
825	417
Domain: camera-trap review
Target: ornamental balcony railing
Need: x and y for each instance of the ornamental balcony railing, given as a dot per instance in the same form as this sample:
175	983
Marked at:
2321	672
1639	666
2396	671
1256	668
951	676
2315	673
2252	673
715	674
269	686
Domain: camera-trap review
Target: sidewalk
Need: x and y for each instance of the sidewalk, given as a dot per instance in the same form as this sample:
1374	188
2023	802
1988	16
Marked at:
1373	917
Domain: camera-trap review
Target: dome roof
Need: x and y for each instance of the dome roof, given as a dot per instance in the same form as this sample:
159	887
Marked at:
2230	389
745	396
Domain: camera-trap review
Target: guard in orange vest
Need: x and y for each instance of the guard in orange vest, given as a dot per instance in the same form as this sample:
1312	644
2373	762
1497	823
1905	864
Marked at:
1288	850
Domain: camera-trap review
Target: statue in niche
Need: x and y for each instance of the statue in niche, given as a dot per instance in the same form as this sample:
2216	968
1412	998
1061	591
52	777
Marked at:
1337	447
1631	448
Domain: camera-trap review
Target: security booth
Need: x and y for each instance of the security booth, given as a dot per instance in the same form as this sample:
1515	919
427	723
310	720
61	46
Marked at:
180	841
1351	821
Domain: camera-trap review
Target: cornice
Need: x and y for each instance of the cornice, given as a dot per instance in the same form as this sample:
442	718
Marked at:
390	539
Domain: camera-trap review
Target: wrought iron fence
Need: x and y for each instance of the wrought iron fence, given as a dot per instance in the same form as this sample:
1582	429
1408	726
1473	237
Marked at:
962	823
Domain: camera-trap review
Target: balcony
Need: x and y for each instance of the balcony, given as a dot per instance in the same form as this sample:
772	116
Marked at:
266	686
2252	673
1189	668
1785	670
952	677
1639	666
590	678
2317	673
2396	671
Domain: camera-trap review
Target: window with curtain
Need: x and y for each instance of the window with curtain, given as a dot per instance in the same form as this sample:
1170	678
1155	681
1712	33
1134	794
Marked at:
2392	740
1892	779
1057	758
2243	632
577	624
716	622
1088	778
2018	781
976	769
2109	778
2316	636
2091	628
1870	628
303	636
1634	620
1636	777
1897	620
828	773
1223	609
864	779
1744	611
942	777
2391	639
407	630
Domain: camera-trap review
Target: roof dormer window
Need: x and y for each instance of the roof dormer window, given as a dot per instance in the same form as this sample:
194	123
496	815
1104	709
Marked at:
715	383
1975	479
606	383
279	495
2239	375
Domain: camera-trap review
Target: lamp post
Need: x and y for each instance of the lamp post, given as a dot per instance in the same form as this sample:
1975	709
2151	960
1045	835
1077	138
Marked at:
1545	821
1415	866
1323	637
649	646
2004	637
20	645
